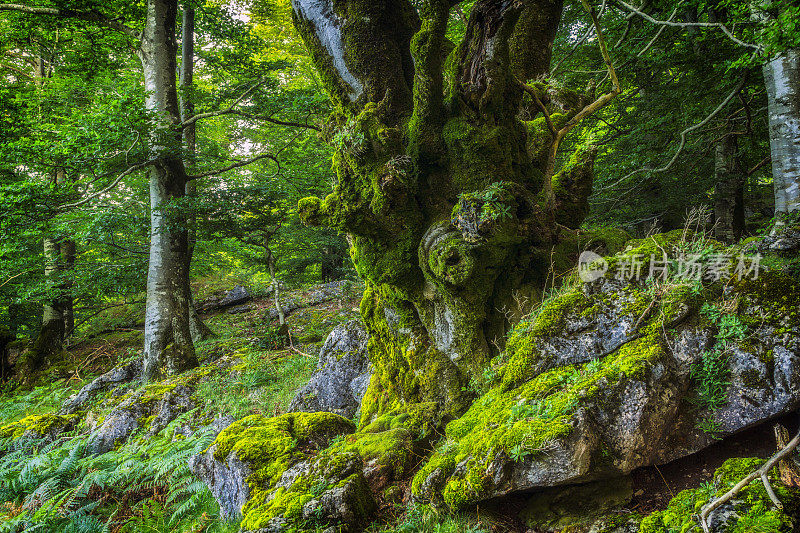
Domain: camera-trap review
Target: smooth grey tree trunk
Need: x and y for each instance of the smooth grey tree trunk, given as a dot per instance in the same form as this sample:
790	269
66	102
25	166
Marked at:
198	329
168	343
782	77
728	191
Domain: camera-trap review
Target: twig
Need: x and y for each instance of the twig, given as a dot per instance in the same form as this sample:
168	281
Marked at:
113	184
238	164
291	347
13	277
231	110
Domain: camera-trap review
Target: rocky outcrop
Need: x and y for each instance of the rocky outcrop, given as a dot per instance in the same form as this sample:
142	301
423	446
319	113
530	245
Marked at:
113	378
612	376
342	376
151	407
270	472
236	296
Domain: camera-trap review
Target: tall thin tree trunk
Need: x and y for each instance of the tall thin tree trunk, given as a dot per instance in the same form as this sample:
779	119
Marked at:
168	342
276	287
68	262
728	191
782	77
199	330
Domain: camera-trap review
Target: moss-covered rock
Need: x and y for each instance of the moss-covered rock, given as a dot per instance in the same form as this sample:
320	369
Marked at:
260	468
615	374
37	426
751	510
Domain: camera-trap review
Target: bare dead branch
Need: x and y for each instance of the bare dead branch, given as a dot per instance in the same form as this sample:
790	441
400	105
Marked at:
718	25
762	473
684	133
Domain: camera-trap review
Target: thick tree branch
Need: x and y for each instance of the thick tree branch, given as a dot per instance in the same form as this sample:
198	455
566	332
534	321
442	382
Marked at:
589	110
89	16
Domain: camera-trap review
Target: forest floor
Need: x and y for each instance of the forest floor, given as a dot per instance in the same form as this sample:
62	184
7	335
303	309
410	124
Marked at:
143	484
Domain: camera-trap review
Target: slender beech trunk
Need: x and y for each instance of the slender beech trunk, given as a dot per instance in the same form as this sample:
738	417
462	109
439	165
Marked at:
782	77
276	287
728	191
199	330
50	340
68	263
168	343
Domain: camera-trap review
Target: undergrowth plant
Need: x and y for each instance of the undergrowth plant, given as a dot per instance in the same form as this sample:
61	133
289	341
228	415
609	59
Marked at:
711	374
62	486
426	519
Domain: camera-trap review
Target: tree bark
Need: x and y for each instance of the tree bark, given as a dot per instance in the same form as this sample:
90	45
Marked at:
68	261
440	194
276	287
168	343
782	77
728	191
199	330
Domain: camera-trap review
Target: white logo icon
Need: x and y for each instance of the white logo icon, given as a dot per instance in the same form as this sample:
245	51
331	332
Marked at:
591	266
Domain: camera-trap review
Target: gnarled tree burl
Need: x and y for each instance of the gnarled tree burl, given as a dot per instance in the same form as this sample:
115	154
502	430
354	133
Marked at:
443	188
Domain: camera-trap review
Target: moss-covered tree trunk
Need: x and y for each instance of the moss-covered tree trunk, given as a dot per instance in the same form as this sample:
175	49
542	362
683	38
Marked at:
440	182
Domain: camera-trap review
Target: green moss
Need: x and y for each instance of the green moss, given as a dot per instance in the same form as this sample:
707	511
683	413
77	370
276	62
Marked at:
481	154
38	425
572	187
753	507
391	449
525	420
773	299
548	321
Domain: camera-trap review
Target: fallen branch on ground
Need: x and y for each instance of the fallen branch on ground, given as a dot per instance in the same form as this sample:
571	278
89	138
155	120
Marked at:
762	473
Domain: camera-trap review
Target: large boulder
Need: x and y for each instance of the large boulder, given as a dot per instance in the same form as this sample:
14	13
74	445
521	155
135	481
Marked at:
613	375
342	375
150	407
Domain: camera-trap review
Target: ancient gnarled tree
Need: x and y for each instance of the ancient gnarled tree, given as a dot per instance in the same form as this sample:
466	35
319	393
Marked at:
445	182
